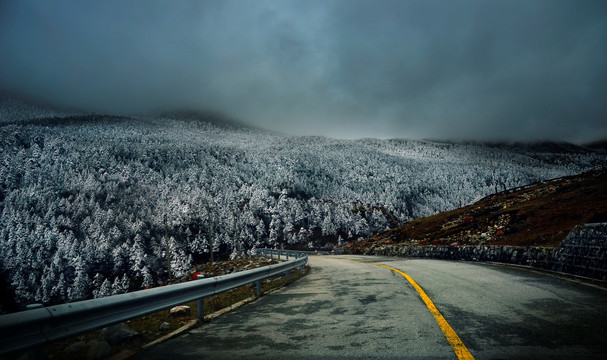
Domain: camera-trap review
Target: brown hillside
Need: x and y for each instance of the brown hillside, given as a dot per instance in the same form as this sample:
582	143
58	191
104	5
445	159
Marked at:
535	215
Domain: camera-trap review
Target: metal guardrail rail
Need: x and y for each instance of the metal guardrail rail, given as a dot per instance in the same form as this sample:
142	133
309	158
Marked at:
31	328
285	253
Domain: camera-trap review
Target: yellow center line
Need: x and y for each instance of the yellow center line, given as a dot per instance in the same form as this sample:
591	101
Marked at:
461	351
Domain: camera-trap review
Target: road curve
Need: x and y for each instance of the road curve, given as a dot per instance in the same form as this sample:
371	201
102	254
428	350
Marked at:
348	309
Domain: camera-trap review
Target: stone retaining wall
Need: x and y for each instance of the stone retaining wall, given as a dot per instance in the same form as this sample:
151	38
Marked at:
583	252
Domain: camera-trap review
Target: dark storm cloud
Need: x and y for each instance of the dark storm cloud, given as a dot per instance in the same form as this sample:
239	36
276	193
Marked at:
440	69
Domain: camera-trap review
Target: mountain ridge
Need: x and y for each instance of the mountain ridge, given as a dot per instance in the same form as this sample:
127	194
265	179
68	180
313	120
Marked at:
15	109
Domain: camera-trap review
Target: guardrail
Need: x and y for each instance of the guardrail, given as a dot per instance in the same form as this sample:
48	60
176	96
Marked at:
530	185
291	253
285	253
31	328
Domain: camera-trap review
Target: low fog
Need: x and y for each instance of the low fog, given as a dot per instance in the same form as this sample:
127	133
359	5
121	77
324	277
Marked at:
482	70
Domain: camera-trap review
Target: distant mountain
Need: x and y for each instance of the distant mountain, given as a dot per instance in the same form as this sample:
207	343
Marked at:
540	214
207	117
554	147
597	145
545	146
17	109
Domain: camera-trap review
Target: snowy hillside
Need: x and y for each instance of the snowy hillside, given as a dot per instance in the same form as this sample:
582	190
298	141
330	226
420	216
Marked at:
86	200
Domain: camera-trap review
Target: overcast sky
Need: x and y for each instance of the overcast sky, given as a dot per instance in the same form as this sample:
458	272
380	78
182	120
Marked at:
485	70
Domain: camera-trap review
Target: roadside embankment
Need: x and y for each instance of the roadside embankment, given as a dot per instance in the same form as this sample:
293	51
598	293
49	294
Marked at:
583	252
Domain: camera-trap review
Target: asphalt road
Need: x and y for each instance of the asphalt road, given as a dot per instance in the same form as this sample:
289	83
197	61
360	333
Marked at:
345	309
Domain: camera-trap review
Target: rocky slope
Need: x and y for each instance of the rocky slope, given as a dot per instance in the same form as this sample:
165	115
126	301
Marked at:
540	214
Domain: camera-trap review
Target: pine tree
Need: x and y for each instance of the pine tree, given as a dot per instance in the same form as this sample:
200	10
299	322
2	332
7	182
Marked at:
120	285
59	291
81	288
147	278
104	290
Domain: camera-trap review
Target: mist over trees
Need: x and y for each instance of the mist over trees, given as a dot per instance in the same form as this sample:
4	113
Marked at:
90	204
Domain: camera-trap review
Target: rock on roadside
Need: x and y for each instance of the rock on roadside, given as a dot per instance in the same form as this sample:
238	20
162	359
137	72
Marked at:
180	311
119	334
98	350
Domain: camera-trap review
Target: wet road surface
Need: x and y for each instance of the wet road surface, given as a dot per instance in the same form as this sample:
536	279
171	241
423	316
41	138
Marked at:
345	309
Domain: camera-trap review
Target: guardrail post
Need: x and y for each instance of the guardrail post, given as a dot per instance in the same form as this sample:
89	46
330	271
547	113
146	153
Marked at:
278	255
200	309
258	287
301	270
200	303
287	276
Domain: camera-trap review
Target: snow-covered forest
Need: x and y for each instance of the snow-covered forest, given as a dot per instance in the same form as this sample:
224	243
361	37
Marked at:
90	204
